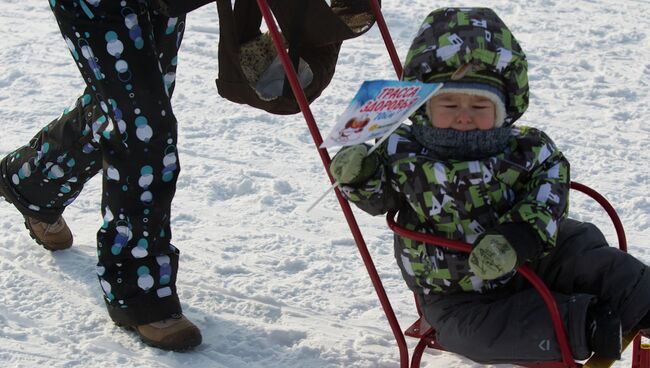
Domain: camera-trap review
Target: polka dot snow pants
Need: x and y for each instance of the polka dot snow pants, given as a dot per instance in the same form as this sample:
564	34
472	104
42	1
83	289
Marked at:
123	125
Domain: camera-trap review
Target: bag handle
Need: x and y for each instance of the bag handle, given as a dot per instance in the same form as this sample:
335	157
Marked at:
297	26
228	40
248	19
324	25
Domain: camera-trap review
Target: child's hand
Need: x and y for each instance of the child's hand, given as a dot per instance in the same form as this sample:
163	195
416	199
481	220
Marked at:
352	165
492	257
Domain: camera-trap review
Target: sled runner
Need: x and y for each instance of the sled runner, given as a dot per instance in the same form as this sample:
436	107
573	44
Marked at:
420	329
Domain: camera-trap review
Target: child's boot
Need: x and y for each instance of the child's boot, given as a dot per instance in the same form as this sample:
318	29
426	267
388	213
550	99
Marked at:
176	333
604	332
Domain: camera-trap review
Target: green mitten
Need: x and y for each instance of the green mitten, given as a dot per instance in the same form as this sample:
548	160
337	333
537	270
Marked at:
492	257
352	164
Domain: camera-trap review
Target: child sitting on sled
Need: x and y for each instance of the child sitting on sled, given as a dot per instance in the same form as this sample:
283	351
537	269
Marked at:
463	171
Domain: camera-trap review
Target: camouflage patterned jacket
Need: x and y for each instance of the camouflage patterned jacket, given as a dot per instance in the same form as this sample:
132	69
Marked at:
525	187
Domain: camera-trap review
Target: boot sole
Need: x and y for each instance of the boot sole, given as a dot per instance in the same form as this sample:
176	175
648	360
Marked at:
187	346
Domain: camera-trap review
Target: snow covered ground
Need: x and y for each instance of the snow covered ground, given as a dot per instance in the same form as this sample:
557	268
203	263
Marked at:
269	284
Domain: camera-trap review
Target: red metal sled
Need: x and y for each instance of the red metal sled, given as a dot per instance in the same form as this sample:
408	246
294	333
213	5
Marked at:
426	334
420	329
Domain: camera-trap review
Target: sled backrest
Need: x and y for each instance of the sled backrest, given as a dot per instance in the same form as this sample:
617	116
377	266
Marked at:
421	330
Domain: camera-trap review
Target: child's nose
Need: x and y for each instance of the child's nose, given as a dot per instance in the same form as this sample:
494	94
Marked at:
464	117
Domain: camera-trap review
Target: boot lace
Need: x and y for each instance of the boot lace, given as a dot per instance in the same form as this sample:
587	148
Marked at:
54	228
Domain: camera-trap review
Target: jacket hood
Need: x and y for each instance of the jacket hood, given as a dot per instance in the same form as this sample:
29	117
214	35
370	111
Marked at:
470	45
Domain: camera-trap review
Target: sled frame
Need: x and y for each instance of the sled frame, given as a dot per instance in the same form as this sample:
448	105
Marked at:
420	329
426	334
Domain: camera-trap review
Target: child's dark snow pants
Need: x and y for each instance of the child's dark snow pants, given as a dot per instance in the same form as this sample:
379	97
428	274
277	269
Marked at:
124	126
513	324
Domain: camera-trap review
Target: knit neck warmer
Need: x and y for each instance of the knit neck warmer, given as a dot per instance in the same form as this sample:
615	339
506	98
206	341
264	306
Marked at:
454	144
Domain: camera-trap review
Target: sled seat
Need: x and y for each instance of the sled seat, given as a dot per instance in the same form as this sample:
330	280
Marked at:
426	335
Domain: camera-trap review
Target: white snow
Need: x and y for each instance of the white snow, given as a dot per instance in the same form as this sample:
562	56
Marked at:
269	284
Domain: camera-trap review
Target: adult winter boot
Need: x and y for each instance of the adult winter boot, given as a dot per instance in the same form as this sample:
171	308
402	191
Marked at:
176	333
56	236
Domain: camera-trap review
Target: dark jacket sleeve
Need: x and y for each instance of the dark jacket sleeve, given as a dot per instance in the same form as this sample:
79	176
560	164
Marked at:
531	225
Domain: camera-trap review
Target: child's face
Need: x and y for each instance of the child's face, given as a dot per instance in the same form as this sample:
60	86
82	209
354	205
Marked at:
461	112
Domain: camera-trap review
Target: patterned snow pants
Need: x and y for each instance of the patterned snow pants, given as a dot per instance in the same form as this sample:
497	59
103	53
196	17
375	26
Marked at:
123	125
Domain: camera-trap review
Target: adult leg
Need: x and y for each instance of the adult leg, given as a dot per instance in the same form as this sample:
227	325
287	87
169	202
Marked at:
117	51
41	178
44	176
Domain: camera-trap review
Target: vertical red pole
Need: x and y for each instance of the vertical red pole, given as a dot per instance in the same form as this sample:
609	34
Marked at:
644	352
636	352
640	354
345	206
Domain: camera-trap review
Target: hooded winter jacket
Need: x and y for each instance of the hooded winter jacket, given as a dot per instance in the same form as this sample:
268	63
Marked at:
520	191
